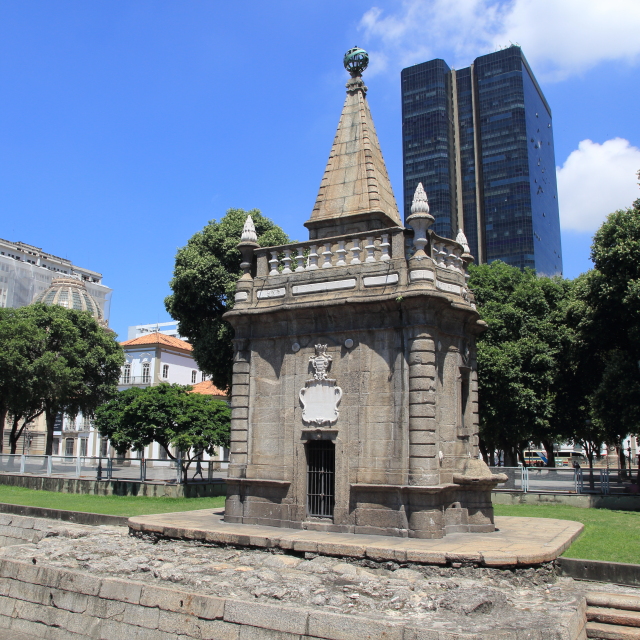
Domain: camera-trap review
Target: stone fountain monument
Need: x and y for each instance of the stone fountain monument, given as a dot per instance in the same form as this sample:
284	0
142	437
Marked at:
354	403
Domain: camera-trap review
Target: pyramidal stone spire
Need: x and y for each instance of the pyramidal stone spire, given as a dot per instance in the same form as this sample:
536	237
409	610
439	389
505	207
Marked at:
355	193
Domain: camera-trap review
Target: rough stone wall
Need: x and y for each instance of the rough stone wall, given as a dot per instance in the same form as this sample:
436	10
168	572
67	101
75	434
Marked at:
82	582
59	604
21	530
408	417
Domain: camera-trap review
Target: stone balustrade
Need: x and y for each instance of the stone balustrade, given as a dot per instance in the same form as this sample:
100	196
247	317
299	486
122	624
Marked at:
326	253
447	254
442	264
354	249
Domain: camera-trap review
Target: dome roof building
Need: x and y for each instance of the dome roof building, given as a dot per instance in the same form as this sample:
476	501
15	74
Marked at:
71	292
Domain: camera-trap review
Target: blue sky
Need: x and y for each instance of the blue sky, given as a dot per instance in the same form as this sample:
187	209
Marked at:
126	126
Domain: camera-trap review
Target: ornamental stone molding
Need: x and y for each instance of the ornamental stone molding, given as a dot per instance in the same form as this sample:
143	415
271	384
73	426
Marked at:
320	396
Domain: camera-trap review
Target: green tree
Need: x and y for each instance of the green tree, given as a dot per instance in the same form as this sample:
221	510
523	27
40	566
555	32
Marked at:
168	414
19	385
203	284
71	364
606	315
519	357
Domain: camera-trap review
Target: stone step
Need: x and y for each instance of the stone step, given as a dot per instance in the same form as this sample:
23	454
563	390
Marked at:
612	632
620	617
613	601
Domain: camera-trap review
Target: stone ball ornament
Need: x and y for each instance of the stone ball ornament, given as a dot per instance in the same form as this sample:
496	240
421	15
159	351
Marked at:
356	61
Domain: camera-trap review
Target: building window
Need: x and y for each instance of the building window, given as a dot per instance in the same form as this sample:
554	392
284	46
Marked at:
104	443
193	377
162	452
204	377
55	446
126	374
68	447
146	373
83	447
165	370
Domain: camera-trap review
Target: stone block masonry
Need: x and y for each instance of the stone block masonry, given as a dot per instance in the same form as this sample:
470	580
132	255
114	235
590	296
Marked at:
354	392
99	583
59	604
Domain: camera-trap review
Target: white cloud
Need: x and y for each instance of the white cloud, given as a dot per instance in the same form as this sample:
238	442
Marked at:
595	180
559	37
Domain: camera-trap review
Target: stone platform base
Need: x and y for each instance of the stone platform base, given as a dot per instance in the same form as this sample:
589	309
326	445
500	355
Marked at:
516	541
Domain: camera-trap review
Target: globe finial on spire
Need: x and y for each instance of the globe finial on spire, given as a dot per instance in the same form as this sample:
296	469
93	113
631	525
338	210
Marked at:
356	61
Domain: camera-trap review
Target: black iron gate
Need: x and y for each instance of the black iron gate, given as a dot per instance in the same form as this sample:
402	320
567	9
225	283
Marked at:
321	466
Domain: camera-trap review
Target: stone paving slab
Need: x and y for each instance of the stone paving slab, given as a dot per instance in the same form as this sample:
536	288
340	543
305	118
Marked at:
516	542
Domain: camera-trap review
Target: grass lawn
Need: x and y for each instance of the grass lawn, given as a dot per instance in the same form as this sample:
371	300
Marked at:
111	505
613	536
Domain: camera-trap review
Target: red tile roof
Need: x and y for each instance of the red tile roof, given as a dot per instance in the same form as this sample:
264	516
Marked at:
158	338
206	388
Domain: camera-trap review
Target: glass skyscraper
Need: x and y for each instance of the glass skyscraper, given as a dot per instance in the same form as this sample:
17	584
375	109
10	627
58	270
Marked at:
480	140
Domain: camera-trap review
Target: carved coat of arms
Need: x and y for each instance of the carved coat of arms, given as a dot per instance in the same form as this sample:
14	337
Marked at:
320	396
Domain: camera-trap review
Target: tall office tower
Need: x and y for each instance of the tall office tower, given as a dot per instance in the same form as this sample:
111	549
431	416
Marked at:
481	142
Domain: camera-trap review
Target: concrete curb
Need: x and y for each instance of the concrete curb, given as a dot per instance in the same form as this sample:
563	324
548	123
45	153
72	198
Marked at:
77	517
600	571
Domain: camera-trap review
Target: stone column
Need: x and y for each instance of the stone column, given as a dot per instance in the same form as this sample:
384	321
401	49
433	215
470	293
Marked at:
473	411
423	457
240	410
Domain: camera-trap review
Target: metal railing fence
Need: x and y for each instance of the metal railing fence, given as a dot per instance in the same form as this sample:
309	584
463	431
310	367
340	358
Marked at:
556	479
103	468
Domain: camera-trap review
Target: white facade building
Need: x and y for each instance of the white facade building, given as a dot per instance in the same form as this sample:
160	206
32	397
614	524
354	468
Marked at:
150	359
155	357
26	271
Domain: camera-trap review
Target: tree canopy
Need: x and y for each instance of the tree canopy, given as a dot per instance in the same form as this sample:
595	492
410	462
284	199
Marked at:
560	359
519	356
55	360
169	414
203	284
19	384
606	315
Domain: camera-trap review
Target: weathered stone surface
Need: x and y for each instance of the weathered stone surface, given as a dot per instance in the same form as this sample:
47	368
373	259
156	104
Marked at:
267	616
394	354
254	593
608	615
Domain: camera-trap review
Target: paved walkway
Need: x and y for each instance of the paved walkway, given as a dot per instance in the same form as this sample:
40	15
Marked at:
518	541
